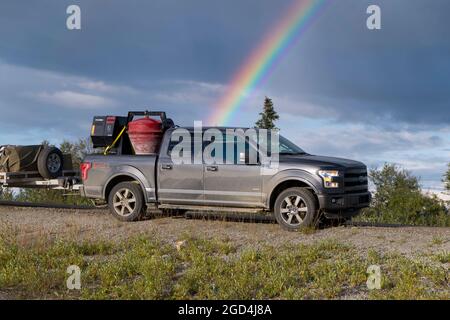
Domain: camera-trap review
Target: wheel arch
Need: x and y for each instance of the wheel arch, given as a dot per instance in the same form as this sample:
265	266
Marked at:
122	177
290	183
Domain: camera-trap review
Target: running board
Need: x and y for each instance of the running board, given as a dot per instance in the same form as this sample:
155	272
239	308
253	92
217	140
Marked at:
211	208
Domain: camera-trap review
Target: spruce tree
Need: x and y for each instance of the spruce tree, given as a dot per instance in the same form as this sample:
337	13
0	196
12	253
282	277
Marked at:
268	116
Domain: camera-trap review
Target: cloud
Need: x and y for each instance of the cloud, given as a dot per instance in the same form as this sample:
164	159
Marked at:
43	101
418	151
367	141
73	99
188	92
100	86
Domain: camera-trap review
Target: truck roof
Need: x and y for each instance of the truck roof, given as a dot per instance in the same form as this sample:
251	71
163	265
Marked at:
211	127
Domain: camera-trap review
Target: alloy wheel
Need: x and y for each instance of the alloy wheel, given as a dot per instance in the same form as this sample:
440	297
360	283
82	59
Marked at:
293	210
124	202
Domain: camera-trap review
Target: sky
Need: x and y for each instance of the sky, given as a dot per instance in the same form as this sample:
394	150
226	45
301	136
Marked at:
378	96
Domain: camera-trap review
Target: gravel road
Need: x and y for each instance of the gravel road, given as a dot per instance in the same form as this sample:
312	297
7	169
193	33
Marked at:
35	224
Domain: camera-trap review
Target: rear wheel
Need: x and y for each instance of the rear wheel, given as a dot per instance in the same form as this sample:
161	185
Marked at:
126	201
295	208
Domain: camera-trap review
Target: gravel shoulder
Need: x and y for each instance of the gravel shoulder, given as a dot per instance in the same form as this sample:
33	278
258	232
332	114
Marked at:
37	224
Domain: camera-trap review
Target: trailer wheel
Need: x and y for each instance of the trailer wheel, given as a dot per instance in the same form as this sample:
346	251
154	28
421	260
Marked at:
126	201
295	208
50	163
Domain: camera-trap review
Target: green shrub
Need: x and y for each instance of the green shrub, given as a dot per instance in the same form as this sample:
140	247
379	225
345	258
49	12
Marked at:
6	194
399	199
446	179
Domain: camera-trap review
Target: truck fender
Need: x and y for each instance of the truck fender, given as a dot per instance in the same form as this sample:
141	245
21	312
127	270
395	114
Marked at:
135	174
293	175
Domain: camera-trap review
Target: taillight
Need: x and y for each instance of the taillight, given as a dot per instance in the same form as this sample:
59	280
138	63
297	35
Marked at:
110	120
84	168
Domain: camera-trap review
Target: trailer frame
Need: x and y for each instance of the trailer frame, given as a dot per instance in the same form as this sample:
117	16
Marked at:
69	180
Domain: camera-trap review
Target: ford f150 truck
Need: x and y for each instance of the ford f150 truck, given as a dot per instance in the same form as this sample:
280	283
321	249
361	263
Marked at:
302	188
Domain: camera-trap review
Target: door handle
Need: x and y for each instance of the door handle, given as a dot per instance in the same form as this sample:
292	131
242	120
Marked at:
212	168
166	166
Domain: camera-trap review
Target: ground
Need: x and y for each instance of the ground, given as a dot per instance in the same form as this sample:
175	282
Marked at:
34	223
423	244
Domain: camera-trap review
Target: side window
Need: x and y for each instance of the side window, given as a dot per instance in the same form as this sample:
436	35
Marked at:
235	150
171	145
184	150
223	152
284	148
230	149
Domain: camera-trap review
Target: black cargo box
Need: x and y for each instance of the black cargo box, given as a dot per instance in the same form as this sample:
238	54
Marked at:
105	129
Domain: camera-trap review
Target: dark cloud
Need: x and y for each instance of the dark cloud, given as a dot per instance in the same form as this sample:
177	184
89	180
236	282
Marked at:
136	41
400	73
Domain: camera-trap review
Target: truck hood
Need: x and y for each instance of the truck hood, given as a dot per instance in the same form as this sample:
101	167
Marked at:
321	161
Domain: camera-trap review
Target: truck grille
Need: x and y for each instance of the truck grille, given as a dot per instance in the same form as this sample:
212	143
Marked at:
355	180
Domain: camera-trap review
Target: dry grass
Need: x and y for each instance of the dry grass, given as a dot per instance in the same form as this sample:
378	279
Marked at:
197	268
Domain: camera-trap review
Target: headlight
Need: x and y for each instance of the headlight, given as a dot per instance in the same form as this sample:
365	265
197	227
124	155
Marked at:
327	177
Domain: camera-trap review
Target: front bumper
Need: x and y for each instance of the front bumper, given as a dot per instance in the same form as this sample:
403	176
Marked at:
344	202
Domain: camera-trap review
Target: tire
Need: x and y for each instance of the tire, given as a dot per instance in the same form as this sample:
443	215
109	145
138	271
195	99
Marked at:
128	210
50	163
291	216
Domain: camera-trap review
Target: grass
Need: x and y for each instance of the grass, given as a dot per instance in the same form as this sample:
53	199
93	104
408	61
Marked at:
426	220
145	268
443	257
437	241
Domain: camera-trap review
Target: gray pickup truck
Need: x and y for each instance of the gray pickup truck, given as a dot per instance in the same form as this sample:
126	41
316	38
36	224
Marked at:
303	188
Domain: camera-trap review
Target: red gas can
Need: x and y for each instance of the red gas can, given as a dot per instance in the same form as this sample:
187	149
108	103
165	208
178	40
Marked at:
145	135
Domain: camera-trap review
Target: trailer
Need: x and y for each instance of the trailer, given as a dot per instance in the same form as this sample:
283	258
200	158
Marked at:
69	180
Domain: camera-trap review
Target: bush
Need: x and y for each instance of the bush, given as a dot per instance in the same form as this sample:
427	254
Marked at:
399	199
6	194
50	196
447	178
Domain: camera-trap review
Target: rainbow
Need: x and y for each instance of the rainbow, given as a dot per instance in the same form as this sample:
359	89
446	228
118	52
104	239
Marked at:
264	58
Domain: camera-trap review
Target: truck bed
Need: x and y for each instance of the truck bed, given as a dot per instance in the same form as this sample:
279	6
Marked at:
106	168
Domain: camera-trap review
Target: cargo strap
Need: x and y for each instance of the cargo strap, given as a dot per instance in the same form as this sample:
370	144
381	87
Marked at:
115	141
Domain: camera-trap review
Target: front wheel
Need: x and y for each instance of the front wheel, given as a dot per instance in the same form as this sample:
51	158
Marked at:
295	208
126	201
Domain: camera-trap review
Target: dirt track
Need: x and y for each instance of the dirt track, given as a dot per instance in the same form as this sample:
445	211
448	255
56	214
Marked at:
34	224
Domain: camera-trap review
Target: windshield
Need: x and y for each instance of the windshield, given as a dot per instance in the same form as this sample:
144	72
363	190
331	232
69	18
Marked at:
288	147
285	146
